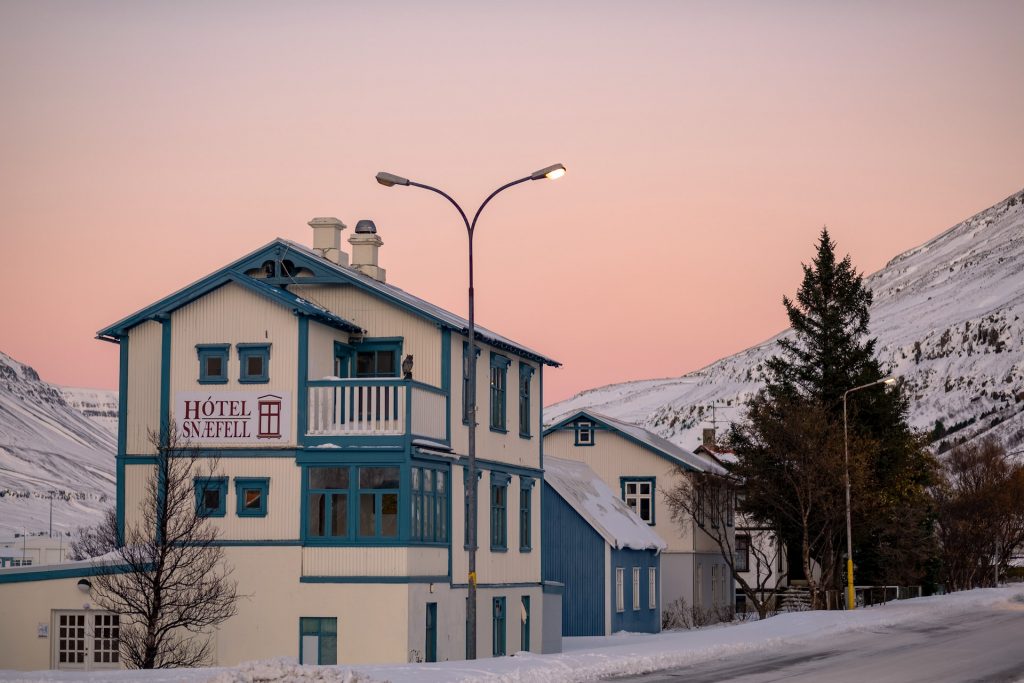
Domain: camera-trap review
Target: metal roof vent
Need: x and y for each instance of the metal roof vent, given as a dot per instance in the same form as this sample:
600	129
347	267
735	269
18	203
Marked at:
366	227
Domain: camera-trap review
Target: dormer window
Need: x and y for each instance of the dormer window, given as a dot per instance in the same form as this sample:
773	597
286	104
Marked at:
584	433
254	363
213	363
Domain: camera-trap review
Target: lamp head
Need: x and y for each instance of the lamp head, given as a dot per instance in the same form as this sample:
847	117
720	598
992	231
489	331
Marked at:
551	172
888	381
389	179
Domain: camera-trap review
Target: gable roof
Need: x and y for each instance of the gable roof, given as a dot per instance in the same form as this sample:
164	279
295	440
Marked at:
658	445
279	249
587	494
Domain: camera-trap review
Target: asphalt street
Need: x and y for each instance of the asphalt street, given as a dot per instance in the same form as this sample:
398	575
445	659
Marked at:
981	646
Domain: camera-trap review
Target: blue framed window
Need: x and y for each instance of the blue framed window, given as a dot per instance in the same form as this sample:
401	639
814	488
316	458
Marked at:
584	433
213	363
524	625
638	495
251	495
498	627
429	505
318	640
499	384
525	376
378	502
253	363
465	381
211	496
377	357
499	511
327	498
525	514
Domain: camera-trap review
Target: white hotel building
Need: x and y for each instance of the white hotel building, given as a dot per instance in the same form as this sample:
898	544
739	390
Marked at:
340	478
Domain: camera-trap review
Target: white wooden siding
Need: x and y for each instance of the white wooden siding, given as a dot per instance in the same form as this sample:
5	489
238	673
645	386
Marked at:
143	387
136	486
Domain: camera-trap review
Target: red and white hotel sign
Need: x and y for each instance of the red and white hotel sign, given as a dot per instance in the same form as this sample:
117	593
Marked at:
234	417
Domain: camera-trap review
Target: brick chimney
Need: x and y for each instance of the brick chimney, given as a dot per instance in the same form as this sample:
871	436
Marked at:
327	239
366	245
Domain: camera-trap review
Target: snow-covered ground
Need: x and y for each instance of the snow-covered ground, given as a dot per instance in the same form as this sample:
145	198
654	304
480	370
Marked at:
589	659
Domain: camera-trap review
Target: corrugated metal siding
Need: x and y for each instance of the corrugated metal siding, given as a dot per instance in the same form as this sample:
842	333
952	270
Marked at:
136	485
428	561
283	500
574	555
352	561
321	349
644	620
510	447
234	315
612	457
381	319
143	386
428	414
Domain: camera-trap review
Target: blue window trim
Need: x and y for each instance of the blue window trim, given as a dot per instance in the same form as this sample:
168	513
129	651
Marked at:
204	351
433	502
526	514
465	505
367	344
499	617
498	414
465	380
205	484
378	505
584	425
320	633
499	513
654	488
525	380
247	351
243	484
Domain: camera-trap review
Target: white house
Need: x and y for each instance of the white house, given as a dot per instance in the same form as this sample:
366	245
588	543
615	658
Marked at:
640	465
340	477
27	550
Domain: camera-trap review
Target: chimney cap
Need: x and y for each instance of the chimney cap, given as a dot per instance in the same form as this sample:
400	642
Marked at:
326	221
366	226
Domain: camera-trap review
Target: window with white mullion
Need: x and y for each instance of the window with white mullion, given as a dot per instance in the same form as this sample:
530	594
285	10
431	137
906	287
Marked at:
639	497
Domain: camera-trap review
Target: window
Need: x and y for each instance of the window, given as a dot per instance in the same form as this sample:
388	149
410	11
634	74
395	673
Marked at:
638	494
499	511
327	502
430	634
698	589
636	589
251	496
525	514
742	561
253	363
620	598
211	496
268	417
378	502
498	627
584	433
525	376
465	380
499	378
319	640
465	516
378	357
429	505
21	562
524	624
652	588
213	363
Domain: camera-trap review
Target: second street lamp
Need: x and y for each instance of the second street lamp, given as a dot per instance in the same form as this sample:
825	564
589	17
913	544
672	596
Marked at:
390	180
851	602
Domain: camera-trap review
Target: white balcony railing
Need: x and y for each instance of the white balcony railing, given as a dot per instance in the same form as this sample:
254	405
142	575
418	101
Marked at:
375	407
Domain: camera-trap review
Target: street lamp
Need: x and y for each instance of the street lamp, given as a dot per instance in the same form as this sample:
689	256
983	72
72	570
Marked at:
850	598
390	180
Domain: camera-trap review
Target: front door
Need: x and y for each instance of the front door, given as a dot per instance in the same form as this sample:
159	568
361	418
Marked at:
86	640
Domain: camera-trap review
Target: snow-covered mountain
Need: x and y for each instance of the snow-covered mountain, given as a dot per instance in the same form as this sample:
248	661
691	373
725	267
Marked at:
949	318
49	448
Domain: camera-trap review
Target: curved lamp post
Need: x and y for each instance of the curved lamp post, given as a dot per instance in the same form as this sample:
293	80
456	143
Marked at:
851	602
390	180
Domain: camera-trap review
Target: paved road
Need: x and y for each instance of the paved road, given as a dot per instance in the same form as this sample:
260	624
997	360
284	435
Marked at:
982	646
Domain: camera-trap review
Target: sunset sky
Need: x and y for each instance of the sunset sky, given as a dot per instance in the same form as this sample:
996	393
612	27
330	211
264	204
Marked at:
144	144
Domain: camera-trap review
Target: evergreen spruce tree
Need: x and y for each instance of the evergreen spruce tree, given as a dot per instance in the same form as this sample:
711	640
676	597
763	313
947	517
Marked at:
829	353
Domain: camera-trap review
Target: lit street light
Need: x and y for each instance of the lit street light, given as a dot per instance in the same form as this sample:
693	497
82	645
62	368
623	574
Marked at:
850	598
390	180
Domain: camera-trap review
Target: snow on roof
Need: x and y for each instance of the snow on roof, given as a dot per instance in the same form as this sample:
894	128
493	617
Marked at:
588	495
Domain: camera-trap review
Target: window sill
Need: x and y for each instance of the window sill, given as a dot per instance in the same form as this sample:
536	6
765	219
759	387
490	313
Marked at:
496	549
526	549
251	514
265	380
525	436
213	381
499	430
584	445
200	513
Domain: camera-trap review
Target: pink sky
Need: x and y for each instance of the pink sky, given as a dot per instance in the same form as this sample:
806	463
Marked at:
143	145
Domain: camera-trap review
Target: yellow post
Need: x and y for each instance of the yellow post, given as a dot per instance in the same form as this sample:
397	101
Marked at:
851	601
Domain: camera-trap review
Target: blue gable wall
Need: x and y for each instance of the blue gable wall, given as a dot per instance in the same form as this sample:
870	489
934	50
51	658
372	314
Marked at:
573	554
644	620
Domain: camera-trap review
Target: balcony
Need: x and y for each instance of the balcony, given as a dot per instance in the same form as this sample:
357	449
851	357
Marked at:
376	407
